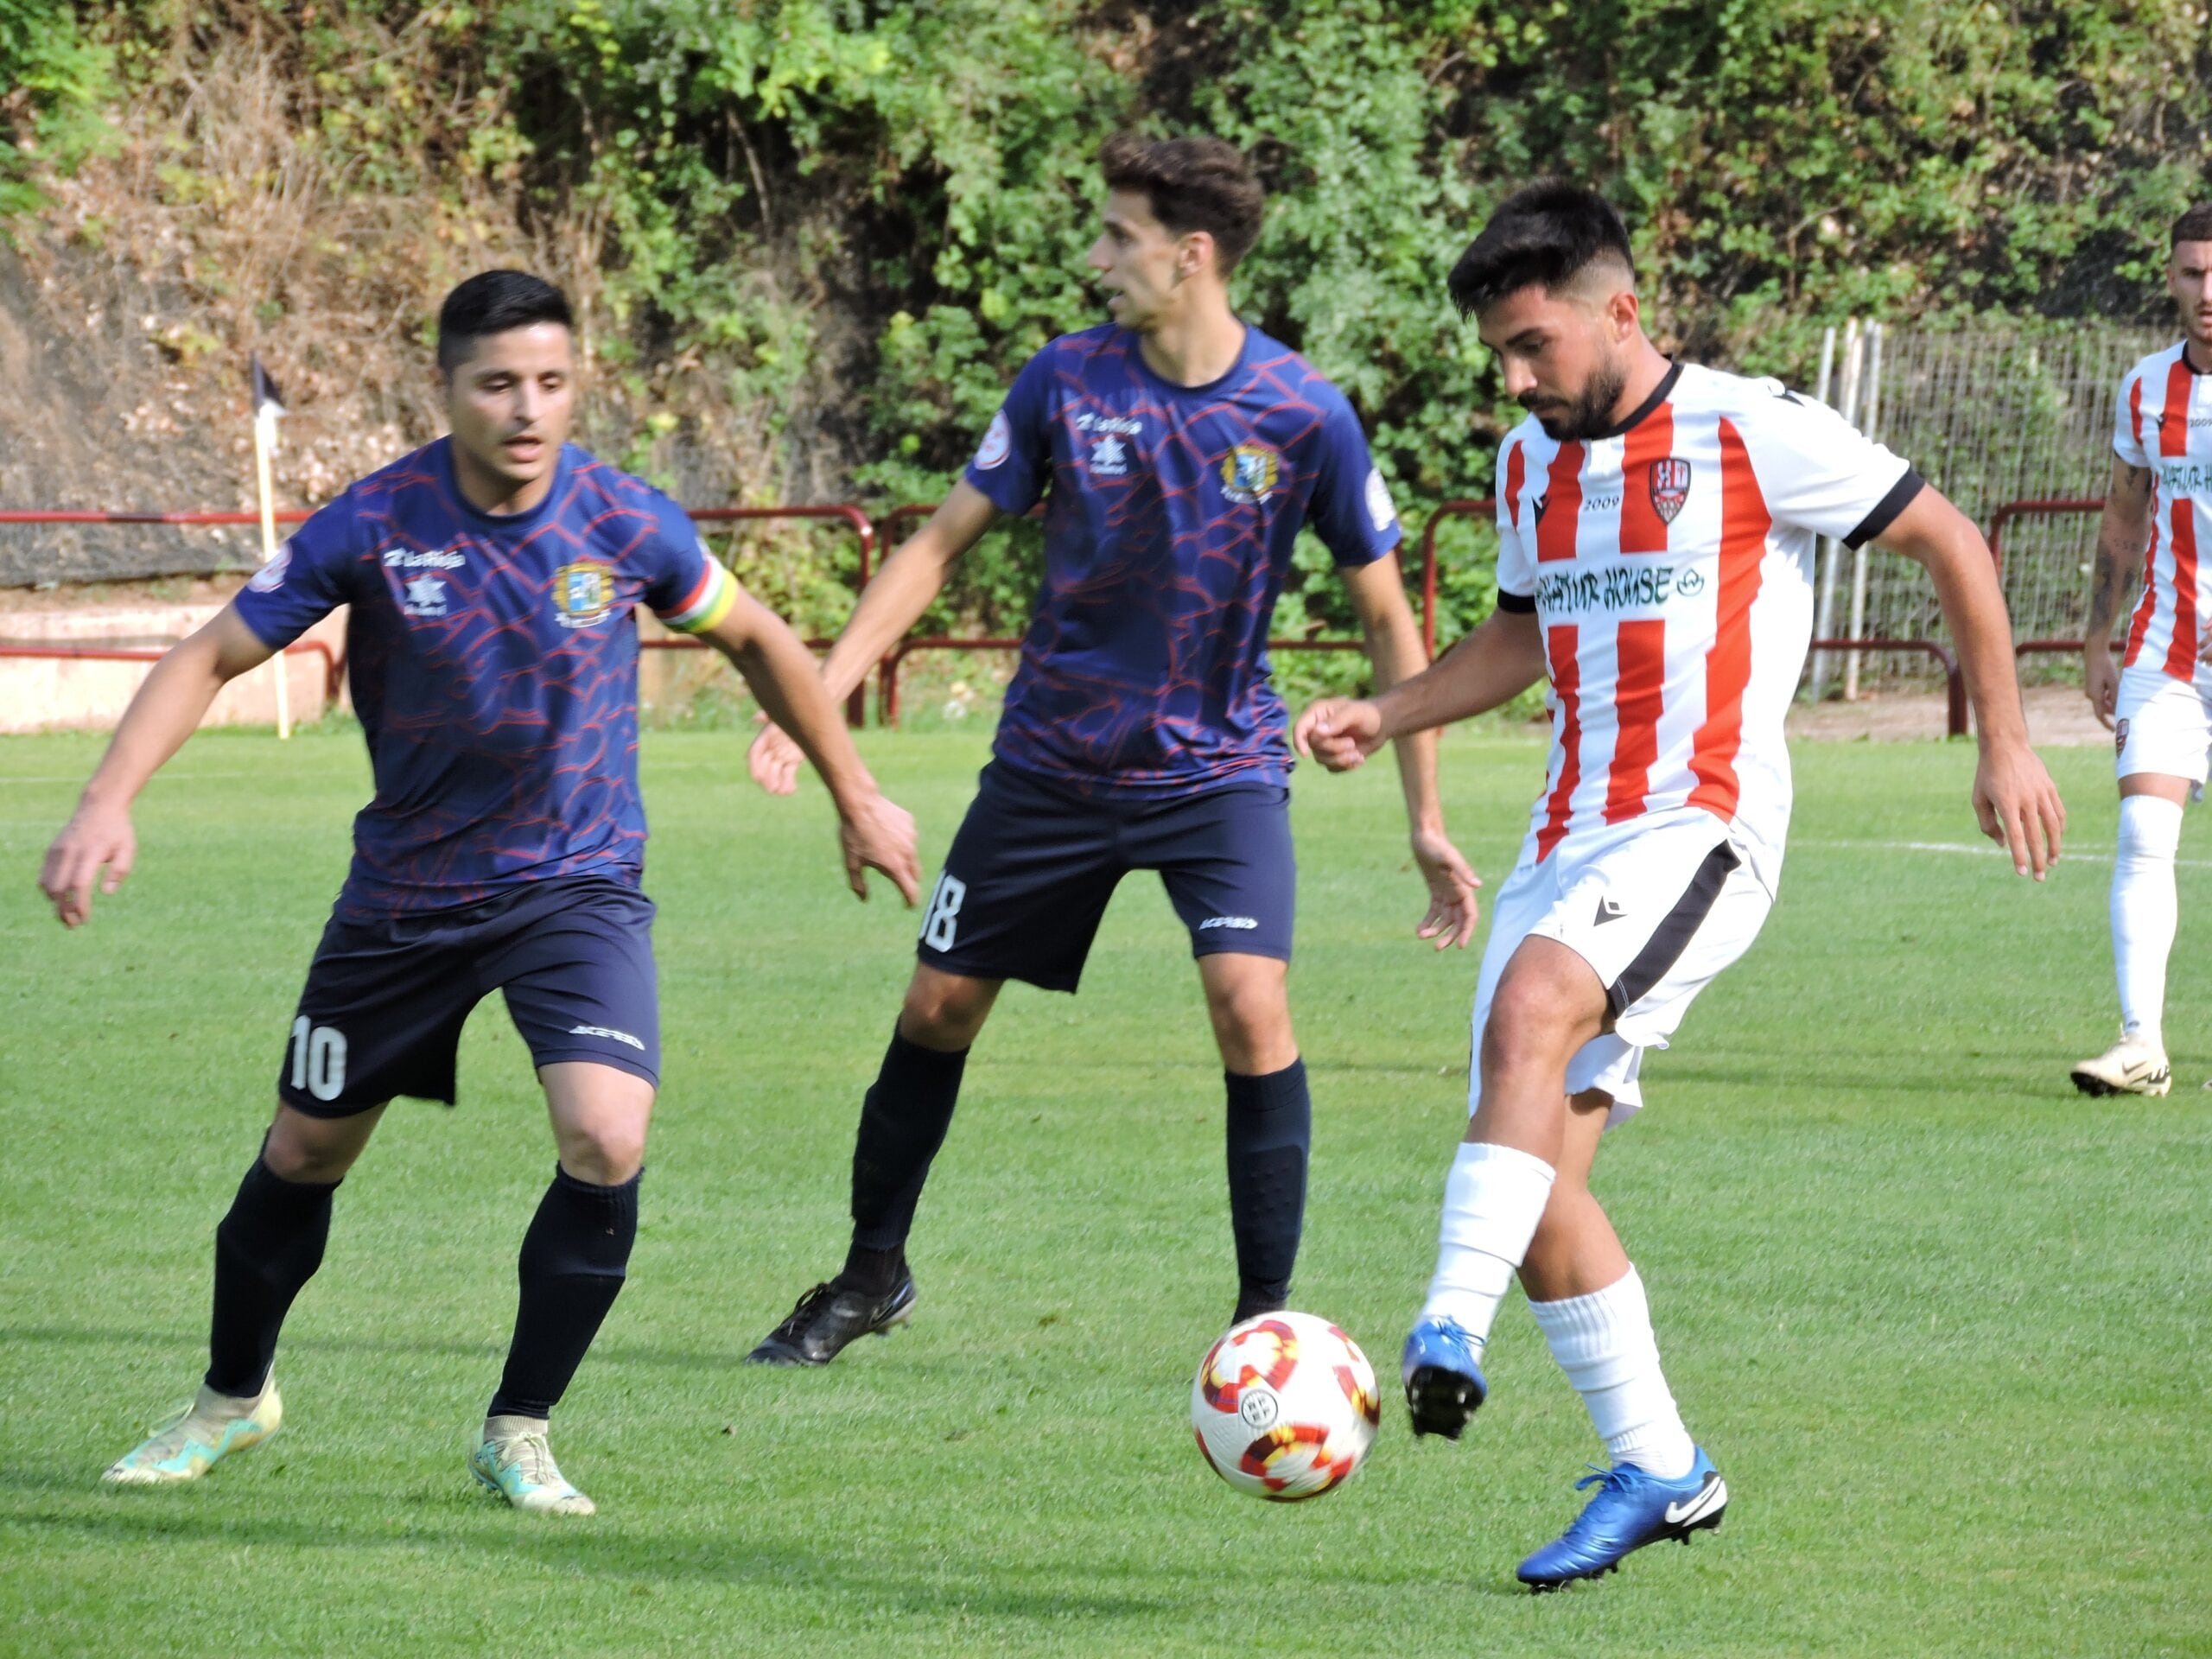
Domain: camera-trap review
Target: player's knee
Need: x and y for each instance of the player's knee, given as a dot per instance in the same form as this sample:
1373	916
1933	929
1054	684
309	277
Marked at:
1530	1029
302	1148
945	1011
604	1153
1251	1023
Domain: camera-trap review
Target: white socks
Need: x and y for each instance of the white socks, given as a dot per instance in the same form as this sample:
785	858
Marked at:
2143	912
1604	1343
1492	1201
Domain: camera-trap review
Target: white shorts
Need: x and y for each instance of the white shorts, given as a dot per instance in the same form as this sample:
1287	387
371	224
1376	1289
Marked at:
2162	724
1656	907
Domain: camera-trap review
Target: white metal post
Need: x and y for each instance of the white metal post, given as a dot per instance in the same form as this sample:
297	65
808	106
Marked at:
1873	401
1824	609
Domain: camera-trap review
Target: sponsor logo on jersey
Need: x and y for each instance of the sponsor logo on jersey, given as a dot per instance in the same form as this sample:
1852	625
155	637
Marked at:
1379	508
1626	586
997	445
1128	425
271	576
1110	457
426	596
2184	477
437	558
583	594
1670	487
1249	473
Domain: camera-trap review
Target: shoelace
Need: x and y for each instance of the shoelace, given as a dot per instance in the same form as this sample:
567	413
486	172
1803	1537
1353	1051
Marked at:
795	1320
533	1455
1619	1478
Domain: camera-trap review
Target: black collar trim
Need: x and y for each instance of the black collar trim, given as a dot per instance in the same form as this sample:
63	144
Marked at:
1659	394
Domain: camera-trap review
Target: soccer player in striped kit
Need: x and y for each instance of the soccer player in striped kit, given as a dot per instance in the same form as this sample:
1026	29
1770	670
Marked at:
2159	700
1656	523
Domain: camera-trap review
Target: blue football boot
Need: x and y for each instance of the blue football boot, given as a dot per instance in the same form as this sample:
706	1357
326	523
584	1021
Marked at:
1444	1383
1632	1509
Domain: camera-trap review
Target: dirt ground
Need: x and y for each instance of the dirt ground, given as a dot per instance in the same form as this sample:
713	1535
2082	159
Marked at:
2058	717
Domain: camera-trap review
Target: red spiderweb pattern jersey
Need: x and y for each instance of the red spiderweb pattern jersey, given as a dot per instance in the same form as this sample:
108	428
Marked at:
1670	567
2163	423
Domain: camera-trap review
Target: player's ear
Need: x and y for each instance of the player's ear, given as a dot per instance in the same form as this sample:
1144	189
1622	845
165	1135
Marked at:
1194	253
1622	312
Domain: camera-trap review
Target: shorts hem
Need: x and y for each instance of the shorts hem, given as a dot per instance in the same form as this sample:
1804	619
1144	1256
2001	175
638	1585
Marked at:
335	1111
596	1057
1199	950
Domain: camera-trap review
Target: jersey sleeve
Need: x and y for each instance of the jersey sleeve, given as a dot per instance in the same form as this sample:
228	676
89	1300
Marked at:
1350	509
686	586
1516	571
2127	420
1014	461
310	577
1817	470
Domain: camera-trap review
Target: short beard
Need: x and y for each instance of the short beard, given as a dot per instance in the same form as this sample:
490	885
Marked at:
1590	416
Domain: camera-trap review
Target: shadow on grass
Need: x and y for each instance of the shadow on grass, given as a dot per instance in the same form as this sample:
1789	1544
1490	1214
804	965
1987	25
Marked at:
492	1348
114	1520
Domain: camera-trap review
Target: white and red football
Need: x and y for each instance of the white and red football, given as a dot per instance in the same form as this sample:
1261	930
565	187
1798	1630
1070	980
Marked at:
1285	1406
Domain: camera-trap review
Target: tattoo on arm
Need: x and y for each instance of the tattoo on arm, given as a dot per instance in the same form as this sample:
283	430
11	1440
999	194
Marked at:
2115	560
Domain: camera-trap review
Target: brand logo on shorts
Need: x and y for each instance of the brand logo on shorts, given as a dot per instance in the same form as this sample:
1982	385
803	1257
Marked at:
1609	910
2120	738
1240	923
606	1031
1670	487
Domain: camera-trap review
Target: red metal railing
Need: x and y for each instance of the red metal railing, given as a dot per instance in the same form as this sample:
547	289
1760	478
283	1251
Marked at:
333	667
892	528
2045	507
1954	684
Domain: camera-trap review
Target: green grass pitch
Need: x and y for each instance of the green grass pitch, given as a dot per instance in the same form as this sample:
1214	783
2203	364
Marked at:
1943	1323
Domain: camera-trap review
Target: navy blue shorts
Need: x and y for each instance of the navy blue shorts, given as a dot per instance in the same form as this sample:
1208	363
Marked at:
1033	867
386	998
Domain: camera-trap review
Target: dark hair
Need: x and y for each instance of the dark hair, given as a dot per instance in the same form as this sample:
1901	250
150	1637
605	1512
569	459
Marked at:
1193	184
1546	233
2194	226
491	302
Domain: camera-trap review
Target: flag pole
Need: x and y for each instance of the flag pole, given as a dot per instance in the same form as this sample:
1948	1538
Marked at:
267	406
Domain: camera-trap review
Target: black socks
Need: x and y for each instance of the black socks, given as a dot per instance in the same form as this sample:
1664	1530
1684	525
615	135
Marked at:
574	1258
1270	1126
266	1248
903	1122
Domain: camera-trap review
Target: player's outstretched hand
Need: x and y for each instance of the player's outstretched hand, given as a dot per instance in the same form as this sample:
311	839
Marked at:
1453	911
93	838
2019	807
2100	684
773	758
1339	732
880	835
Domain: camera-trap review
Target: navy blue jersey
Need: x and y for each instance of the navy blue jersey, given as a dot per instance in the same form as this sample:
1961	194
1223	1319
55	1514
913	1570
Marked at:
493	662
1170	513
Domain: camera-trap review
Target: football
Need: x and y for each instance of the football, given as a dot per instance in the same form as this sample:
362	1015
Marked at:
1285	1406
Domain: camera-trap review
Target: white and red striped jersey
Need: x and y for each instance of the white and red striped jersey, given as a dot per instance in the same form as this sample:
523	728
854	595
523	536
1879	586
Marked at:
2164	423
1670	566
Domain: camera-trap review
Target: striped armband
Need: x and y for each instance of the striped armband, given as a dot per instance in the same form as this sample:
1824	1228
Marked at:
707	602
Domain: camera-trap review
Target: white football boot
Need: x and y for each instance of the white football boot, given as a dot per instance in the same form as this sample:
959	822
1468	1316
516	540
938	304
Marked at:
516	1462
198	1437
2130	1066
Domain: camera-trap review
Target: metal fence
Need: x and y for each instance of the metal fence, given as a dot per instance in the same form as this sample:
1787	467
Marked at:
1992	417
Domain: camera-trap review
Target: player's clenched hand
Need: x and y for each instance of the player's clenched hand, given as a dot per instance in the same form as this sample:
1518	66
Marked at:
773	758
1339	732
2018	807
2101	684
93	838
1453	911
879	834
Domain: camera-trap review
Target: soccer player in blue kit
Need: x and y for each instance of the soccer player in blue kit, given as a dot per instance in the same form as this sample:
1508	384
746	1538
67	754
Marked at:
1179	451
492	578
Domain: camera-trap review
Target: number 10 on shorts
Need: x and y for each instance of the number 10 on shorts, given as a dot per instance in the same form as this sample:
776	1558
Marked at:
318	1059
943	920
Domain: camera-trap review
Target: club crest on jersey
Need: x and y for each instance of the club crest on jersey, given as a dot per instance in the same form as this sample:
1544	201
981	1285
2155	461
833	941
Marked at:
583	592
1670	487
1249	473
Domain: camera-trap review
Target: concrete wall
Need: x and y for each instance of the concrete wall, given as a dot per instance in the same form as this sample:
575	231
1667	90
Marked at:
40	695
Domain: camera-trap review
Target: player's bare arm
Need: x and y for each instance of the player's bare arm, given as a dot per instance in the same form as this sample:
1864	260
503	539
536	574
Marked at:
2013	796
779	671
1394	646
167	710
1493	665
2122	533
892	603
